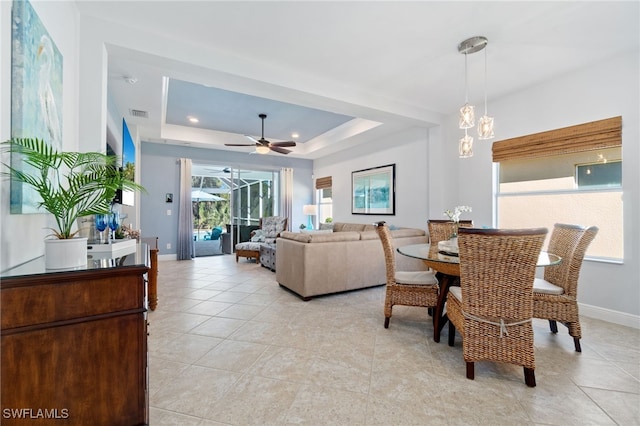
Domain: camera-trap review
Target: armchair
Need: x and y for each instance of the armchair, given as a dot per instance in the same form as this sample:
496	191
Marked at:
269	229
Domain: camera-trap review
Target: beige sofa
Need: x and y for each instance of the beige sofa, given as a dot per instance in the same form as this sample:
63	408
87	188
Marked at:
349	258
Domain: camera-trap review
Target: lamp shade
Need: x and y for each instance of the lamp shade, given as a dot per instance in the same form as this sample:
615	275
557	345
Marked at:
310	209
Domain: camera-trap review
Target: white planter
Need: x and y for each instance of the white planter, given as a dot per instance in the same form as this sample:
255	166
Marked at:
65	254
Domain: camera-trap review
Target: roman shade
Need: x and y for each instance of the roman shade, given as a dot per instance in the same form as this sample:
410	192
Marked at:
323	182
595	135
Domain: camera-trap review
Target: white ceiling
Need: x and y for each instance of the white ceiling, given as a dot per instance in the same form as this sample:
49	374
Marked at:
386	64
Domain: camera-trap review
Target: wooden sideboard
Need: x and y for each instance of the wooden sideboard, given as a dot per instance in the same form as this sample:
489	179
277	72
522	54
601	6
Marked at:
74	344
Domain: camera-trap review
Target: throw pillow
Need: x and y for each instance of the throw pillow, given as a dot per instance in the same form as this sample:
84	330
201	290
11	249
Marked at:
258	237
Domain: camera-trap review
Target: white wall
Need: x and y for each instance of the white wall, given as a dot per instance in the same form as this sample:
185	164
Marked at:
21	236
409	151
608	89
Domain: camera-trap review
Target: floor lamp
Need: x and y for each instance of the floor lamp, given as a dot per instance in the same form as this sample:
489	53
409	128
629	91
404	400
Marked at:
310	210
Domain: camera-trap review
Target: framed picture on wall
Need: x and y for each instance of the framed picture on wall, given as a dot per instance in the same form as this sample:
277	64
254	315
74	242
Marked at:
374	191
36	95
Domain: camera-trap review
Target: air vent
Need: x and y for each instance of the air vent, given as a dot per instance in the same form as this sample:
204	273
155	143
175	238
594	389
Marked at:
139	113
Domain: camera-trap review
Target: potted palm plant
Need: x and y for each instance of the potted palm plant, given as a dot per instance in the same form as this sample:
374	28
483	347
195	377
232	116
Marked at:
70	185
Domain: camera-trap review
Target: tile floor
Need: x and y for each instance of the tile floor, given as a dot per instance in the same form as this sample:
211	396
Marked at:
228	346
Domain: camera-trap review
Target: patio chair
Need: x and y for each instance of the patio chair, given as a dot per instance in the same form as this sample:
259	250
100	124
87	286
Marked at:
555	297
493	307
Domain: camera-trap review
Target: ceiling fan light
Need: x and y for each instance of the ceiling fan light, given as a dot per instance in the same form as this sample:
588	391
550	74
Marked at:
485	127
467	117
262	149
465	147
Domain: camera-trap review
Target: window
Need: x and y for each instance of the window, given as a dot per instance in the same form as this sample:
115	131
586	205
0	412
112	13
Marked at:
324	197
604	174
563	178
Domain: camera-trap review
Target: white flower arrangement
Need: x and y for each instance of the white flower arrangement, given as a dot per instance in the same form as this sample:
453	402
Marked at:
457	211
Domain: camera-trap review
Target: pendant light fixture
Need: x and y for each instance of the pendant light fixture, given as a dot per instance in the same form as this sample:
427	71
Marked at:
467	113
485	124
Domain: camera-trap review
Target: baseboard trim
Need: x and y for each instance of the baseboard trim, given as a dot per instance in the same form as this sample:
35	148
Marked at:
616	317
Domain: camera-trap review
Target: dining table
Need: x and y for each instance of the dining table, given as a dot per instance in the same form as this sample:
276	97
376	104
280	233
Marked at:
447	267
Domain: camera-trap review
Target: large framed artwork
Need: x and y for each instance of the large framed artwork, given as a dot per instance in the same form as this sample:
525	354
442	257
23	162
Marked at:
128	162
374	191
36	93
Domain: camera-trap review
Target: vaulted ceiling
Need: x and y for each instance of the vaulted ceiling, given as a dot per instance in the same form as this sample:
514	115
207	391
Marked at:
338	72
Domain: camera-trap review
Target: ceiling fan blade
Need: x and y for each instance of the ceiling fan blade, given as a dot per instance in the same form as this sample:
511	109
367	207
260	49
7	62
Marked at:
254	140
287	143
278	149
239	144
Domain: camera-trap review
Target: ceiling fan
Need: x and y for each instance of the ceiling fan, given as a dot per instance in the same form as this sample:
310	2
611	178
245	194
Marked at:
263	146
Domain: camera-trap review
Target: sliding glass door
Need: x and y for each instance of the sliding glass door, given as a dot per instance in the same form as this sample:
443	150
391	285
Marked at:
232	200
254	195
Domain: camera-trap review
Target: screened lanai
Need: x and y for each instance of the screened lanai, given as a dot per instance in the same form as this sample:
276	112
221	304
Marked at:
247	195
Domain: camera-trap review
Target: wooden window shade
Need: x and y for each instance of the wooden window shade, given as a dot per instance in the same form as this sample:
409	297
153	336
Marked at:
323	182
582	137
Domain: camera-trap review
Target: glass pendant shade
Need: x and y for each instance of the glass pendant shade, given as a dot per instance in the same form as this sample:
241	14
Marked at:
467	117
485	127
262	149
465	148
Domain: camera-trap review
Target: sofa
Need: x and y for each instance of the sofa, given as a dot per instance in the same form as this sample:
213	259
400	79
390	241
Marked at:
348	257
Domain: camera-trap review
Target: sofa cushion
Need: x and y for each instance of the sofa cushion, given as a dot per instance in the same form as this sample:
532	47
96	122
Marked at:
316	231
321	237
348	227
408	232
398	233
369	235
248	245
334	237
258	236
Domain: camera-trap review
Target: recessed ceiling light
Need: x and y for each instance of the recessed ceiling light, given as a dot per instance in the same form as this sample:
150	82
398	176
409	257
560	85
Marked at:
295	135
193	119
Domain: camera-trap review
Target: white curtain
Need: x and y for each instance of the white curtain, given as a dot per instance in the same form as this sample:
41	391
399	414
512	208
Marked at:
185	247
286	194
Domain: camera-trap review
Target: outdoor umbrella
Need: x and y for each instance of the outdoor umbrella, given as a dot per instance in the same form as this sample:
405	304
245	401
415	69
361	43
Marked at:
200	195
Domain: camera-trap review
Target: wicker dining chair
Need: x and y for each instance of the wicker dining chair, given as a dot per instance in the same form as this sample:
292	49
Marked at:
442	230
555	297
409	288
493	307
